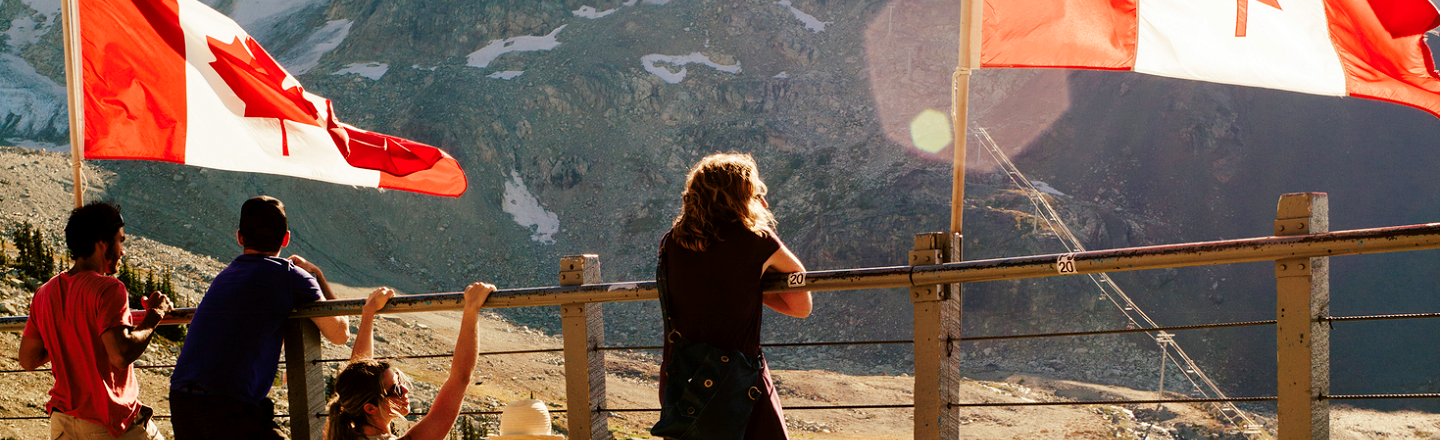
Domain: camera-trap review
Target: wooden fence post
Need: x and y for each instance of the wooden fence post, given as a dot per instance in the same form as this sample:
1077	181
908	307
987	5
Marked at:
937	326
584	332
1302	342
305	379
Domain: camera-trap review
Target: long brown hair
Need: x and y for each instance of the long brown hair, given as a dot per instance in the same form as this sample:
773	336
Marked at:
721	188
359	383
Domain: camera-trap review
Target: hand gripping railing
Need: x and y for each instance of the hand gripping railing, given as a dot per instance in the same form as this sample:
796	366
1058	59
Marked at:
584	344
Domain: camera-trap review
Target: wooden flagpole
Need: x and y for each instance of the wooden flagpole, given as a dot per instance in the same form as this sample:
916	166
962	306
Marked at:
971	16
74	92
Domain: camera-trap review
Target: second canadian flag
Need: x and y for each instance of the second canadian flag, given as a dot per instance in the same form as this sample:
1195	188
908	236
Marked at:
1371	49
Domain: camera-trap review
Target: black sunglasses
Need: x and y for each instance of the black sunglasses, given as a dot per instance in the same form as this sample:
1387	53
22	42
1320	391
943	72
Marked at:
400	389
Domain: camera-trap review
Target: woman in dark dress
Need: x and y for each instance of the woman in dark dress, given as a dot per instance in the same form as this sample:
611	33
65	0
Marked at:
720	245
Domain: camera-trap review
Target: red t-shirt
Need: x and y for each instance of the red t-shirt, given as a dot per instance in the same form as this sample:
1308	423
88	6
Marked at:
68	314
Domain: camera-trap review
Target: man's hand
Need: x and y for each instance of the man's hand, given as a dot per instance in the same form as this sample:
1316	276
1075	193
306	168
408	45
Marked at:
157	305
476	294
304	264
377	300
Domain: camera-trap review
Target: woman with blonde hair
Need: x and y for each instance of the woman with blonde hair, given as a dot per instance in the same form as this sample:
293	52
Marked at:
370	393
715	254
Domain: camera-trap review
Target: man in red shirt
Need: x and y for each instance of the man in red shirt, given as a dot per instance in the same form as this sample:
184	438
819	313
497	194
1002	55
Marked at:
80	322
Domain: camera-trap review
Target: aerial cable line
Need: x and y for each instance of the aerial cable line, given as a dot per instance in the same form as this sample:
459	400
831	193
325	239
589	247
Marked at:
1112	292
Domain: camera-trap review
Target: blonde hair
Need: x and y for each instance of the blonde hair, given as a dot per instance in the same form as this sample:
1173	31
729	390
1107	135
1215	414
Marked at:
721	188
359	383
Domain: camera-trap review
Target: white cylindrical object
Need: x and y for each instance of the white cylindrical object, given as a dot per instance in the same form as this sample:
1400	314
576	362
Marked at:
525	417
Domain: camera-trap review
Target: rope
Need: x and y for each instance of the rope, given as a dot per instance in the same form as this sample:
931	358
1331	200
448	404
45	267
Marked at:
1119	331
1107	286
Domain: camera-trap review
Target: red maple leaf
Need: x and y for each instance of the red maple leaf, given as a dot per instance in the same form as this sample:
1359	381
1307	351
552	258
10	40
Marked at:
258	80
1243	12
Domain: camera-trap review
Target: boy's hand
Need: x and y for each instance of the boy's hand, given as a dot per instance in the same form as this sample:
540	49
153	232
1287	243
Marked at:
304	264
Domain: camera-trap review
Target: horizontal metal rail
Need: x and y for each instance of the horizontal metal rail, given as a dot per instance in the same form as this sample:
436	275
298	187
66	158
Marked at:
46	370
443	355
908	341
156	416
1329	244
463	413
786	408
1378	317
1379	396
1115	402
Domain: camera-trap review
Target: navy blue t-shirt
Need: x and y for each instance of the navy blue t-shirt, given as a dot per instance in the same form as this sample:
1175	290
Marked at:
232	348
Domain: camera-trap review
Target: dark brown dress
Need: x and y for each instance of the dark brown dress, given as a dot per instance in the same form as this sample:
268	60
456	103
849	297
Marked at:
715	298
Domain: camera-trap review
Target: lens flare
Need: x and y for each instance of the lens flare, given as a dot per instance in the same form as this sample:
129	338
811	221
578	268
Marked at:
930	131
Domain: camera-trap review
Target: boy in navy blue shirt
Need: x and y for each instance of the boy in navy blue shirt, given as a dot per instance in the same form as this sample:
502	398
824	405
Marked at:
222	380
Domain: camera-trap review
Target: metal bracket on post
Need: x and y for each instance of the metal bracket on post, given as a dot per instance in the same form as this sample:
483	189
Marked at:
1302	340
305	379
937	326
584	333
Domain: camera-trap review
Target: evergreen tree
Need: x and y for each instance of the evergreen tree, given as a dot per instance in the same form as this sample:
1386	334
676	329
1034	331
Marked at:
47	264
22	247
168	288
34	258
126	274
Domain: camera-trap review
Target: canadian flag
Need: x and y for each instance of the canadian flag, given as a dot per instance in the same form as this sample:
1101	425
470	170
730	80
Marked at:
176	81
1364	48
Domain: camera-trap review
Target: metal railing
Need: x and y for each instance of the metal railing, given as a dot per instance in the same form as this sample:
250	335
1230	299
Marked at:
934	280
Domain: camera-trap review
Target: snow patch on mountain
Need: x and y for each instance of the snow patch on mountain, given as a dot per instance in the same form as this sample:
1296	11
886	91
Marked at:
591	13
1046	188
369	70
652	64
506	75
37	100
811	23
258	15
528	212
27	29
307	54
483	57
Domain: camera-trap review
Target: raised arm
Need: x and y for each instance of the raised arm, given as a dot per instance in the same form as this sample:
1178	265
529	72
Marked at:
797	304
436	424
125	344
365	337
335	329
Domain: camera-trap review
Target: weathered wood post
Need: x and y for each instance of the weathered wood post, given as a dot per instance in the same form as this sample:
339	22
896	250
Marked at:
1302	342
305	379
937	326
584	330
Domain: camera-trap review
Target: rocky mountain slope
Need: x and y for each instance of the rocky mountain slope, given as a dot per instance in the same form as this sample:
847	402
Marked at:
576	121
